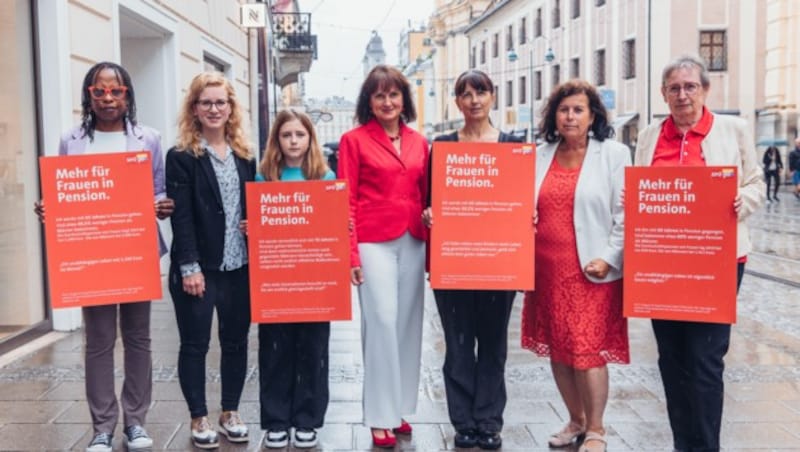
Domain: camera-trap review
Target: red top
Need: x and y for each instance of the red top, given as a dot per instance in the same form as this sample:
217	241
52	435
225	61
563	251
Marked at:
388	189
675	148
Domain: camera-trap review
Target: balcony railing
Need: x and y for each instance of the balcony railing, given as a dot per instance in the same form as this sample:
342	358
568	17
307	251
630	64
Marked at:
292	33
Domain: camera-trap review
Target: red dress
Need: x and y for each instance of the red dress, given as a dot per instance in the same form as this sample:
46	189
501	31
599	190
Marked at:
569	318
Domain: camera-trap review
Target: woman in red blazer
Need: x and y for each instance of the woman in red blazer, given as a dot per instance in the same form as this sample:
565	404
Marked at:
386	165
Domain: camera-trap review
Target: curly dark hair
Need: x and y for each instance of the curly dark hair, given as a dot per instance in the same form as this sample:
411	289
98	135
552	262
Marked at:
601	129
88	121
383	77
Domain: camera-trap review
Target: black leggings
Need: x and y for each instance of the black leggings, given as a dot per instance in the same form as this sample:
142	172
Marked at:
770	176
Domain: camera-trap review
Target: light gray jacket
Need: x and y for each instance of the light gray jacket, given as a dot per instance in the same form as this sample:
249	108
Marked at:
728	143
598	215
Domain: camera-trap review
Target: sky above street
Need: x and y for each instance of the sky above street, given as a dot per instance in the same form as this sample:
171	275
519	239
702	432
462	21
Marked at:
343	29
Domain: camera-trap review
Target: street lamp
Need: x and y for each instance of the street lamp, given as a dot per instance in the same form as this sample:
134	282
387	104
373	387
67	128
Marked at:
549	56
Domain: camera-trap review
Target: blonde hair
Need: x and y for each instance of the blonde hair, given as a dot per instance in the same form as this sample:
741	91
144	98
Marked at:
190	131
314	165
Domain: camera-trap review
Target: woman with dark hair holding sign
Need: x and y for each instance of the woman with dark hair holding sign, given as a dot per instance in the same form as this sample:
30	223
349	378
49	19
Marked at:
108	124
385	163
574	316
474	379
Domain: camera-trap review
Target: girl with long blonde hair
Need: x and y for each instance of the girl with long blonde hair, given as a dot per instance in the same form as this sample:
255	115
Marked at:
293	357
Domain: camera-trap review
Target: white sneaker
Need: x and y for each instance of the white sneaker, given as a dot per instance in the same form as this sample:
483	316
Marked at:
305	438
232	427
203	436
138	440
101	442
276	439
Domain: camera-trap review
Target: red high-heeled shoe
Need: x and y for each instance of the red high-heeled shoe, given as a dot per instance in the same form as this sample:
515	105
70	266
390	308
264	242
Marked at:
404	429
387	442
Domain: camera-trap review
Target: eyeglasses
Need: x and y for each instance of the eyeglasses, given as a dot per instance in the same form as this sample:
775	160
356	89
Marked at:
689	88
117	92
206	105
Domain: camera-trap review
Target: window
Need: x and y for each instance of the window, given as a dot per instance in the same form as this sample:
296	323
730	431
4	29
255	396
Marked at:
509	93
523	30
472	58
496	104
483	52
556	74
537	23
575	68
523	90
510	37
629	59
556	13
600	67
576	9
599	2
495	45
537	85
714	50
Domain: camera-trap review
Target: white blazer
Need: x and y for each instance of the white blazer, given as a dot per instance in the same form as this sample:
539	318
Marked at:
598	216
728	143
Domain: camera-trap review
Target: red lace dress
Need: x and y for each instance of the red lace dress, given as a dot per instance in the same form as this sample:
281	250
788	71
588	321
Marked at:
569	318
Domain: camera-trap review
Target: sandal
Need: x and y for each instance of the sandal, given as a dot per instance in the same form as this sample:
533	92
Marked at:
598	443
568	435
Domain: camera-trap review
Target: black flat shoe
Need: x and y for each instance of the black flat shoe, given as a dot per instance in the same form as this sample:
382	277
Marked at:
489	441
466	439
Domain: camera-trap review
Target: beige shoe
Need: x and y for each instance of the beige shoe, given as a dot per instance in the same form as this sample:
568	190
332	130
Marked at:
594	442
569	434
233	427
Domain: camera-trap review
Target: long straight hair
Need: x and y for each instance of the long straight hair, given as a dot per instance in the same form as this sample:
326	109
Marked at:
272	165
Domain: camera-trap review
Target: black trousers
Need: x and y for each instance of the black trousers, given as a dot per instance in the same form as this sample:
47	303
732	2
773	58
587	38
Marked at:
690	359
293	374
474	377
772	176
229	293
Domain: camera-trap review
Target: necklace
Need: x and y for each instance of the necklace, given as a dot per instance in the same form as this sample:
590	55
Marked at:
393	138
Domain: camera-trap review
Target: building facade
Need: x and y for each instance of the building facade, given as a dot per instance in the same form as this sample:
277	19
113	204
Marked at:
530	46
48	46
334	116
779	115
373	54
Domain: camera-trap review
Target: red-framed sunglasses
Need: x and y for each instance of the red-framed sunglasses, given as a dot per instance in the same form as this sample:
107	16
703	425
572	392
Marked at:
117	92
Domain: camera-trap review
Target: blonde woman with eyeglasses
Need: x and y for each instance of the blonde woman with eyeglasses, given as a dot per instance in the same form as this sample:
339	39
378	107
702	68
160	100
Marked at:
206	173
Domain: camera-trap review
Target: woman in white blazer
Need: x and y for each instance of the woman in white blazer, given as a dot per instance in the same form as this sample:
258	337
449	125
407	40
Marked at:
575	314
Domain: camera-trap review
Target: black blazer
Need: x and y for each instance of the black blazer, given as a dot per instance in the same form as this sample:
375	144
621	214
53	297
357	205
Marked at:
503	138
198	222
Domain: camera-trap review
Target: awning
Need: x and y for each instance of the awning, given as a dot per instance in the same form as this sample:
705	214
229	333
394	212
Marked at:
622	120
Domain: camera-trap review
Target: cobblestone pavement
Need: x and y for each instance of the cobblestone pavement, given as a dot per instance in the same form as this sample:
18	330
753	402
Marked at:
42	404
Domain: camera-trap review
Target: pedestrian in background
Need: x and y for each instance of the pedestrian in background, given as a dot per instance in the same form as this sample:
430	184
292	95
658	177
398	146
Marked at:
108	124
474	378
385	163
773	166
691	354
293	357
206	173
575	315
794	167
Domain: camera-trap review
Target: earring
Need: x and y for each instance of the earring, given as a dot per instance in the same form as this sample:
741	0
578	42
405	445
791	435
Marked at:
591	133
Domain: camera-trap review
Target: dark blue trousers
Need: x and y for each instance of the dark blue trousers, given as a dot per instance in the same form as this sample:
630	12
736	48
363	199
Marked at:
690	359
474	380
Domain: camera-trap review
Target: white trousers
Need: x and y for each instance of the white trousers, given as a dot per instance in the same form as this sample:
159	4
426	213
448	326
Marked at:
391	297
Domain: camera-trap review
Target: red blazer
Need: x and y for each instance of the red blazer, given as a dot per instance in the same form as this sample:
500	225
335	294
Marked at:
387	190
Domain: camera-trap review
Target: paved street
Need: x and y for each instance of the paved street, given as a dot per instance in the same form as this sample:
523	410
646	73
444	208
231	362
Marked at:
42	405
